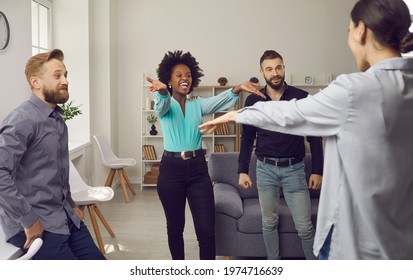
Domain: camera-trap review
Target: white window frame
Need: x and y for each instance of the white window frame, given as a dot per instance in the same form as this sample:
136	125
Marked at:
37	48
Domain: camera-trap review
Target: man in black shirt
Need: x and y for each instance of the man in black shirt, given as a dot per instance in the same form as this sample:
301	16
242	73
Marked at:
280	163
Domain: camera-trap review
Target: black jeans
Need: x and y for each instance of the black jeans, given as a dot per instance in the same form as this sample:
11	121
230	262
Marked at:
178	181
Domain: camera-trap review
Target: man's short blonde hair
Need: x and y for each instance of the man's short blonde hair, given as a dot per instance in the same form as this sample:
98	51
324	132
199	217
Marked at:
35	63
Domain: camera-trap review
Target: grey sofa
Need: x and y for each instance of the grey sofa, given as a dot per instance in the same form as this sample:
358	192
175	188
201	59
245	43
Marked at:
238	216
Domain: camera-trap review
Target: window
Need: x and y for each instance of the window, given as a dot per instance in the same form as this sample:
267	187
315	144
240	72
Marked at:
41	25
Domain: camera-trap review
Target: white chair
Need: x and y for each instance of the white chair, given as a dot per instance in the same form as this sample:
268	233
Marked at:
37	243
10	252
110	160
88	196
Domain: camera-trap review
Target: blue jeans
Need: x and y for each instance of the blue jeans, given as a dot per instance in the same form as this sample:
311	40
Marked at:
291	180
325	249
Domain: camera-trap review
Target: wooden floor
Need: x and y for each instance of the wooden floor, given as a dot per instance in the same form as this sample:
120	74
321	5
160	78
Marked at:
140	228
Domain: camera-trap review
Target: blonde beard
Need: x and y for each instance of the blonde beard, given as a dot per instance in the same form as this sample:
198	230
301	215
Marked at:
55	97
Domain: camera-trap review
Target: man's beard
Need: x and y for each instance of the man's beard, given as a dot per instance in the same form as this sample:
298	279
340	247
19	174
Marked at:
275	86
55	96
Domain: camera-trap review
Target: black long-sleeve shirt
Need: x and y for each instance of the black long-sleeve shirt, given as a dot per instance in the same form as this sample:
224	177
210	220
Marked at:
275	144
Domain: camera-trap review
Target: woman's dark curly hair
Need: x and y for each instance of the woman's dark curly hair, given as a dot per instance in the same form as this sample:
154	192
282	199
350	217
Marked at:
174	58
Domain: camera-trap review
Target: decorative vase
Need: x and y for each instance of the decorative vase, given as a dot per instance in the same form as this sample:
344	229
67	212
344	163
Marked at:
153	130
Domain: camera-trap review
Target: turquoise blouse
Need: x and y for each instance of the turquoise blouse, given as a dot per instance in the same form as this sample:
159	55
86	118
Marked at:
181	132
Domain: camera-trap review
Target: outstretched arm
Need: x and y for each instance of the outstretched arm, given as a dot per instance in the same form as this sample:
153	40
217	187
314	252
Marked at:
162	97
227	99
323	114
211	126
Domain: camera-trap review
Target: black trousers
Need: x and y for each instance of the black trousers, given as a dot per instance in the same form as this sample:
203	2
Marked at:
178	181
79	245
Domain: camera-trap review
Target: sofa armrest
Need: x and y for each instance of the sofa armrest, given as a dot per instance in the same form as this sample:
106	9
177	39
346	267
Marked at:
227	200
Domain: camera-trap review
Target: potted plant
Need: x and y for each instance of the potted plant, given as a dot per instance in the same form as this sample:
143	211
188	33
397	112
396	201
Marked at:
70	111
222	81
152	119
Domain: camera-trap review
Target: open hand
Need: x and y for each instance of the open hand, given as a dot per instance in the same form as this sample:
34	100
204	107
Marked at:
157	86
252	88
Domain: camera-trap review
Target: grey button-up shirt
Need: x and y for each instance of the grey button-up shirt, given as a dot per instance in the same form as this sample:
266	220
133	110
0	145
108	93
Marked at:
34	170
367	192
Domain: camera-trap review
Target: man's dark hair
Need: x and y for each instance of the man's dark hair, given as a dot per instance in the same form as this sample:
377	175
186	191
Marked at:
270	54
171	59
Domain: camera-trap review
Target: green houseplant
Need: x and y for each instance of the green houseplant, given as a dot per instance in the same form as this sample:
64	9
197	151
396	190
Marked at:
70	111
152	119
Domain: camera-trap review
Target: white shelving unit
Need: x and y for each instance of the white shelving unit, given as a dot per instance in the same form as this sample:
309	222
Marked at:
230	141
310	83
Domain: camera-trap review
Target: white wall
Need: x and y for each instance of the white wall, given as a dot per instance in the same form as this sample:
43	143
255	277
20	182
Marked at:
227	38
104	91
14	88
71	35
89	42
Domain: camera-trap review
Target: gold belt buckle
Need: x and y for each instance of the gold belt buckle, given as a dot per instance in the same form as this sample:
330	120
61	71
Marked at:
186	158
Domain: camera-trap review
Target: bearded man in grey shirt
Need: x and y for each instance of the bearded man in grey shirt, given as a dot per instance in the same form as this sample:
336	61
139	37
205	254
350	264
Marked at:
35	199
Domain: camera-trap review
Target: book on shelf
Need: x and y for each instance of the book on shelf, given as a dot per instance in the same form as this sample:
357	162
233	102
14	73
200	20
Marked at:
149	152
144	152
153	153
219	148
144	155
218	130
226	130
222	130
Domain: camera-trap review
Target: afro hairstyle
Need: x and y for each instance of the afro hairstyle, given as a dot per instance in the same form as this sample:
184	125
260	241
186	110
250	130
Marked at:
177	57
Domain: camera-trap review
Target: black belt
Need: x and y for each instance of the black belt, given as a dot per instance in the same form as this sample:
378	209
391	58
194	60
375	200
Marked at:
185	155
280	163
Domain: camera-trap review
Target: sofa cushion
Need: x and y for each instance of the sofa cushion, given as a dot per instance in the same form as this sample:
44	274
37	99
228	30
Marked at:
252	220
227	200
223	168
